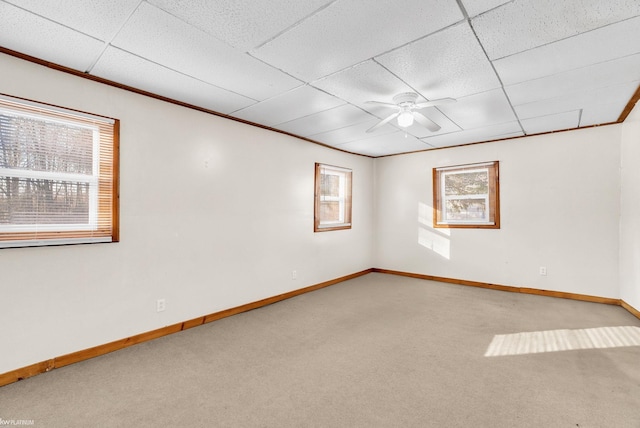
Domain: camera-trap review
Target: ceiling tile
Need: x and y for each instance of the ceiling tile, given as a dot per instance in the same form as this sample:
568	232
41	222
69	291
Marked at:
297	103
486	133
584	79
243	24
381	145
604	44
620	93
30	34
352	133
521	25
326	120
599	112
484	109
308	50
131	70
476	7
159	37
367	81
100	19
450	63
551	122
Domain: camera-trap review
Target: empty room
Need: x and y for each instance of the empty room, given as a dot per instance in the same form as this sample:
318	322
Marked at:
320	213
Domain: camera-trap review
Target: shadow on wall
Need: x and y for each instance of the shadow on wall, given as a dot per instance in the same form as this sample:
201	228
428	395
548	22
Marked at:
436	240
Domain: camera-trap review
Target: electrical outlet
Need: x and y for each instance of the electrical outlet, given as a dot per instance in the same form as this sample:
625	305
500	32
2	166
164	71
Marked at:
294	274
543	270
161	305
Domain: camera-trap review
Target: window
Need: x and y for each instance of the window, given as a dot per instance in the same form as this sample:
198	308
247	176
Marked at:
467	196
332	198
58	175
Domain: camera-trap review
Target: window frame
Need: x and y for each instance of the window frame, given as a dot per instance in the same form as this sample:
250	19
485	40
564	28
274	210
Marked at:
102	224
492	197
344	198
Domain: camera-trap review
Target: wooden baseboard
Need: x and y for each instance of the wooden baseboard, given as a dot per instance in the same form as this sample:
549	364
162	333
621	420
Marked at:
630	308
85	354
563	295
74	357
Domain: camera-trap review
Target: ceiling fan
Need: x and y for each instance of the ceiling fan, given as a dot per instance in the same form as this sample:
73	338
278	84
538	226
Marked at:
406	107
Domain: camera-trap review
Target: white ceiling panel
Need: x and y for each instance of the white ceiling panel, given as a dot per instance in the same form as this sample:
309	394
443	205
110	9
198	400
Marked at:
578	100
243	24
552	122
352	133
475	111
42	38
381	145
521	25
297	103
487	133
160	37
308	67
476	7
327	120
450	63
584	79
367	81
604	44
99	19
131	70
603	112
308	50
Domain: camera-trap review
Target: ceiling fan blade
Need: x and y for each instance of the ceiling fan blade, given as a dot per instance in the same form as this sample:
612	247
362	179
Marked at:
383	122
426	122
434	103
380	103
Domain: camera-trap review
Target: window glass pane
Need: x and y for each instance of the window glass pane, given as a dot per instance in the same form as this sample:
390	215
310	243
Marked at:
330	212
467	183
330	185
39	145
467	196
466	209
28	201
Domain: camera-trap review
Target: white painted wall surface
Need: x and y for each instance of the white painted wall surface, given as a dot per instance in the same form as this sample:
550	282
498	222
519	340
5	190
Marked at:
214	214
630	211
559	196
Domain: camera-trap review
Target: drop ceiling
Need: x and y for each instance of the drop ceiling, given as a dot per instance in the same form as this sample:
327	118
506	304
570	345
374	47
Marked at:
307	67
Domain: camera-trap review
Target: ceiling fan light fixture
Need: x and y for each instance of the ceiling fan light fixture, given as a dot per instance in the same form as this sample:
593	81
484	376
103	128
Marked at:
405	119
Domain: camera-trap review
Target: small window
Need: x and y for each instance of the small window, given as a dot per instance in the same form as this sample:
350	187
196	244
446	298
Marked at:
332	198
58	181
467	196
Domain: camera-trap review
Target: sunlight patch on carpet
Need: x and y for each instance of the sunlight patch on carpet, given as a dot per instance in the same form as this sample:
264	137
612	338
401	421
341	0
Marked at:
563	340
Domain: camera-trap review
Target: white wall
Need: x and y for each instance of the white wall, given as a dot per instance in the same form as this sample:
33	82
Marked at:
630	211
214	214
559	202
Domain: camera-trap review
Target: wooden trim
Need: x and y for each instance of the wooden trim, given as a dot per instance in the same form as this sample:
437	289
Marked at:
115	194
96	351
104	81
631	309
524	290
627	109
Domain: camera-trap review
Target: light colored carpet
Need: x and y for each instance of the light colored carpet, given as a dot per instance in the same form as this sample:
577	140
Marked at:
376	351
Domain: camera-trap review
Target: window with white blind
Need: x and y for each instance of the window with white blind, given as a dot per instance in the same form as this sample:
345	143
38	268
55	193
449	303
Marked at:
467	196
332	198
58	175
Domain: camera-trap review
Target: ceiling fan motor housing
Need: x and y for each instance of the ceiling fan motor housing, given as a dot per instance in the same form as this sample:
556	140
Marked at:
406	98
